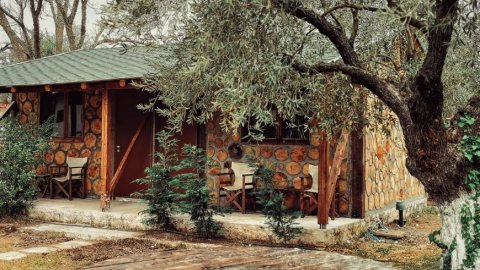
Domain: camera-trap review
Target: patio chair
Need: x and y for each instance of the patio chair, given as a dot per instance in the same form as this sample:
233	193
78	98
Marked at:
75	176
310	194
238	188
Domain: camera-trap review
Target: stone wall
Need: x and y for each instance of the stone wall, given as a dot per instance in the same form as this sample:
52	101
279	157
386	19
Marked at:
87	146
387	179
292	161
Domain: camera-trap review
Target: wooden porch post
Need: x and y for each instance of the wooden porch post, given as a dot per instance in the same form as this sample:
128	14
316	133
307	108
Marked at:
323	208
106	151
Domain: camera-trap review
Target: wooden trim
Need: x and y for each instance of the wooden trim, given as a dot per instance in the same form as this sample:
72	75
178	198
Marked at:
121	166
83	86
323	209
106	153
107	85
336	164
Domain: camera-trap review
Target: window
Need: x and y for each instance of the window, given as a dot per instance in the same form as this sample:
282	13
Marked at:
66	109
283	131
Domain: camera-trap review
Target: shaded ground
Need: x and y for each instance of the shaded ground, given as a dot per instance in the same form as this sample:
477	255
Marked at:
412	252
11	239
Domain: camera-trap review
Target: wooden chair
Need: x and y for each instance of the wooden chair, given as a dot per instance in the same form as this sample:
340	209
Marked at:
310	194
76	175
239	185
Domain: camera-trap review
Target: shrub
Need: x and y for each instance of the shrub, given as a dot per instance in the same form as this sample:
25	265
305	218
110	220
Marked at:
21	150
195	201
271	199
158	195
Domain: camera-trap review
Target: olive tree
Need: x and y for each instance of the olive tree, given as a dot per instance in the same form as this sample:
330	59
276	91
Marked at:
418	58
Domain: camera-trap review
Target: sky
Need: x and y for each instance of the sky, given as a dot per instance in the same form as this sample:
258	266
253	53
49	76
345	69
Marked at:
47	22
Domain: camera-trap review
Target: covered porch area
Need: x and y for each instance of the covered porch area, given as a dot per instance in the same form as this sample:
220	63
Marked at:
125	214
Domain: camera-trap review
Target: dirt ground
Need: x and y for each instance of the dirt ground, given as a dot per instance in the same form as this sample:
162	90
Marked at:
412	252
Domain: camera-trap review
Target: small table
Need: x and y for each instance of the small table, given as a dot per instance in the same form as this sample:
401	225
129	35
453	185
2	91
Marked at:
44	182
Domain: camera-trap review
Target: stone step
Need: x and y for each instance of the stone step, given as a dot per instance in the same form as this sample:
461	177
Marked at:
82	232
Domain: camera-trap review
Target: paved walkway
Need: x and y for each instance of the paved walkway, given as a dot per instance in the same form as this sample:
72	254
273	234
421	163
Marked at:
84	236
196	256
228	257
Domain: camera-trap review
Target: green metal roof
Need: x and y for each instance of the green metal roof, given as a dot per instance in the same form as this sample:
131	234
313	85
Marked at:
91	65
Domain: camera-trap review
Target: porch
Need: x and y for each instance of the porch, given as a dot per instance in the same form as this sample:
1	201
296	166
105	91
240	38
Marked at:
124	214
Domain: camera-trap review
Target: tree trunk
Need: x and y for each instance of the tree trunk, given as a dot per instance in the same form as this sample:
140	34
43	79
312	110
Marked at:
36	10
452	233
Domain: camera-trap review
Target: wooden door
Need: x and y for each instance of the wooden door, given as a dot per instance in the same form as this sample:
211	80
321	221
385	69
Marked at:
128	120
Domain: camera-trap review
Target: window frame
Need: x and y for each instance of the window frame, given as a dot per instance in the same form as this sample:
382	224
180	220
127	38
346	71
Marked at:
66	120
279	139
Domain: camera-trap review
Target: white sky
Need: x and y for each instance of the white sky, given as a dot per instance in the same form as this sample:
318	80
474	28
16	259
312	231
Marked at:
47	24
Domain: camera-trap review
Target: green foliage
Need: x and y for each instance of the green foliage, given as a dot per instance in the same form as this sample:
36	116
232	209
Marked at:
470	212
195	201
471	147
447	259
433	238
159	195
271	199
21	151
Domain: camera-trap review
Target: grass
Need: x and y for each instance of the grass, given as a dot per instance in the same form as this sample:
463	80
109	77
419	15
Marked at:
422	263
43	262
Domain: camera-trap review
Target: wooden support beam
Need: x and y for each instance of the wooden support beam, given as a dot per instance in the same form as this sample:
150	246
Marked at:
107	139
47	88
13	89
322	211
122	83
83	86
121	165
337	163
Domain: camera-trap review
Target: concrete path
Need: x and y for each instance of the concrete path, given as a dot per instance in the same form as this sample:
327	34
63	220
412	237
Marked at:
83	232
16	255
234	257
84	236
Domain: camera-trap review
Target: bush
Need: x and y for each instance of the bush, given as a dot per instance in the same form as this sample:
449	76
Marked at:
21	150
278	220
159	195
196	199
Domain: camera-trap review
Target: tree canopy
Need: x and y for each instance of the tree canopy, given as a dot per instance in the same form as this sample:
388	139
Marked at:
320	59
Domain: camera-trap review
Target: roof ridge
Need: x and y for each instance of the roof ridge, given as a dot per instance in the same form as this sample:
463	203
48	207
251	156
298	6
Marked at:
58	54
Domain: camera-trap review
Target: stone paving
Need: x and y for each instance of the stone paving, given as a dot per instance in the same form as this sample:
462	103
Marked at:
83	232
84	236
239	257
20	254
198	256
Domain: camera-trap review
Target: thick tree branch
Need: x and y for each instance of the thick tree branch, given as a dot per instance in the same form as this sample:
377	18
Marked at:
351	6
20	48
5	47
409	20
384	91
439	37
19	22
333	33
355	27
